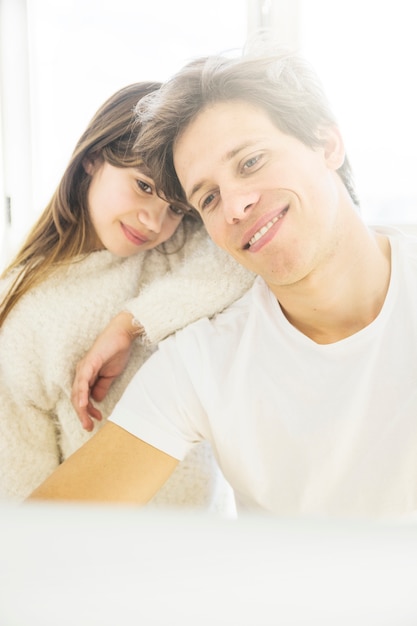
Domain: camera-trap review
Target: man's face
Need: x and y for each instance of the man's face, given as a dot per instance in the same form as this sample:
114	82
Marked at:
264	196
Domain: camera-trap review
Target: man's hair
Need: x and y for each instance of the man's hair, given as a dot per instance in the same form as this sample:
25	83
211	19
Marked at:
282	84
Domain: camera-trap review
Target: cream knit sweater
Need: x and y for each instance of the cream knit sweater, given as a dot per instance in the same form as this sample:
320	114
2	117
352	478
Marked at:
53	326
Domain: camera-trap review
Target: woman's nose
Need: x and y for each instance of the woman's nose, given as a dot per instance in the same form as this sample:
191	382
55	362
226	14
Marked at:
153	214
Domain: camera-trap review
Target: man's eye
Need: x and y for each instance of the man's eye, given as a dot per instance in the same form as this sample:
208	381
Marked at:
250	162
144	186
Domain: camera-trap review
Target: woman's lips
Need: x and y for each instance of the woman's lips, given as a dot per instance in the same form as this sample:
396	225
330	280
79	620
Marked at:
133	235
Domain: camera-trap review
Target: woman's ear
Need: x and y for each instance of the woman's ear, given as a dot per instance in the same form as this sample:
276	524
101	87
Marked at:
333	146
89	165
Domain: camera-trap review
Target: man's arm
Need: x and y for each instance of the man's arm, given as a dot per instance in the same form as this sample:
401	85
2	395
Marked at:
113	466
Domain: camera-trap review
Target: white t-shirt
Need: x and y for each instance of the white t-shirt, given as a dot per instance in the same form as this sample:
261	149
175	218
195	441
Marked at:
298	428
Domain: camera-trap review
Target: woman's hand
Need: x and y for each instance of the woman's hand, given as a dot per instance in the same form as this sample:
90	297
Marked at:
103	363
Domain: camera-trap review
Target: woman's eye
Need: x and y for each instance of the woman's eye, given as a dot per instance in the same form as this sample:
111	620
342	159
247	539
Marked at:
176	210
208	200
144	186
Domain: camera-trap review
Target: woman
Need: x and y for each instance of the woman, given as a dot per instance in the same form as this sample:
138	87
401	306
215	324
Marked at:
106	250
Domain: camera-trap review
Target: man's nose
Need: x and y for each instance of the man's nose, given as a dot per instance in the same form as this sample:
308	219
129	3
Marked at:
237	204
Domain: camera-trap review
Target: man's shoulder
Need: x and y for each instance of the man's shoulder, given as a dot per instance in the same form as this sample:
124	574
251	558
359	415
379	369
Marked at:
405	233
403	239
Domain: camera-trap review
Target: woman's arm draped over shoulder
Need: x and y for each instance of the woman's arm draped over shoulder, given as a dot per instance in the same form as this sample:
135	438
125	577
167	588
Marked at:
200	281
204	280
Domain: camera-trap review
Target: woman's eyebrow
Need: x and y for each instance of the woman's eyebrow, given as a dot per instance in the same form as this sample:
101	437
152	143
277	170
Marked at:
142	169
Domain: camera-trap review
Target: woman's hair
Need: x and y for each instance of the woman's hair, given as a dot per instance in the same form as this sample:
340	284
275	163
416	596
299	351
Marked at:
64	229
281	83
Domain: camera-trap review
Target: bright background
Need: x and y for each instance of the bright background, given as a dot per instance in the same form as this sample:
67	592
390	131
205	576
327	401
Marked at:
59	60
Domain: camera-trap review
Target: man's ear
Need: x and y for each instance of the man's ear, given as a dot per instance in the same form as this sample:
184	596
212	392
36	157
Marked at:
333	146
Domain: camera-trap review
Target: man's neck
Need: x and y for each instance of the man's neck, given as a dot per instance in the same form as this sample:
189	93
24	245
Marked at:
343	297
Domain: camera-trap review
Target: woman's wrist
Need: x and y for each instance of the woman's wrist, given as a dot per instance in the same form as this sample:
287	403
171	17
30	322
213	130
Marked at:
137	327
127	322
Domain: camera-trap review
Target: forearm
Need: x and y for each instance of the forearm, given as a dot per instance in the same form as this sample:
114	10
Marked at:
102	365
113	466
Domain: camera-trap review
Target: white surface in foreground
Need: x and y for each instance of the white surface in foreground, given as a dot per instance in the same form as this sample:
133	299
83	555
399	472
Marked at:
120	566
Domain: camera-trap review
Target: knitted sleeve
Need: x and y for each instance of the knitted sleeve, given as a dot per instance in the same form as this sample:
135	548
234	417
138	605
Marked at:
203	281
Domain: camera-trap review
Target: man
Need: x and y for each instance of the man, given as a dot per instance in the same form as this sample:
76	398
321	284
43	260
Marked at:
306	387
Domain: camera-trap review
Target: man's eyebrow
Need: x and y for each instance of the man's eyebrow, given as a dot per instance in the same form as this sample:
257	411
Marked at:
194	190
232	153
227	157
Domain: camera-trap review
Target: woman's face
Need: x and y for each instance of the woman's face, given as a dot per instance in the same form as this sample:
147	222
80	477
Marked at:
127	214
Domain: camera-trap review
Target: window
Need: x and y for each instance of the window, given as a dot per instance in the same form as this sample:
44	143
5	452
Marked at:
364	52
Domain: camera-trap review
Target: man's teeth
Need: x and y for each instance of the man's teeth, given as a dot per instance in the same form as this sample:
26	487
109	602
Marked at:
263	230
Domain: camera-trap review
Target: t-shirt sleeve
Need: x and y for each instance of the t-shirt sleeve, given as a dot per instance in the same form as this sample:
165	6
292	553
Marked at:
160	405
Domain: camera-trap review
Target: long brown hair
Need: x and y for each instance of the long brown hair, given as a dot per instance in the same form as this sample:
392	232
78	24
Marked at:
64	230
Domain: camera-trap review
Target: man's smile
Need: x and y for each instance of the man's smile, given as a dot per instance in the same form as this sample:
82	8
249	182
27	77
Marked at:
258	234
